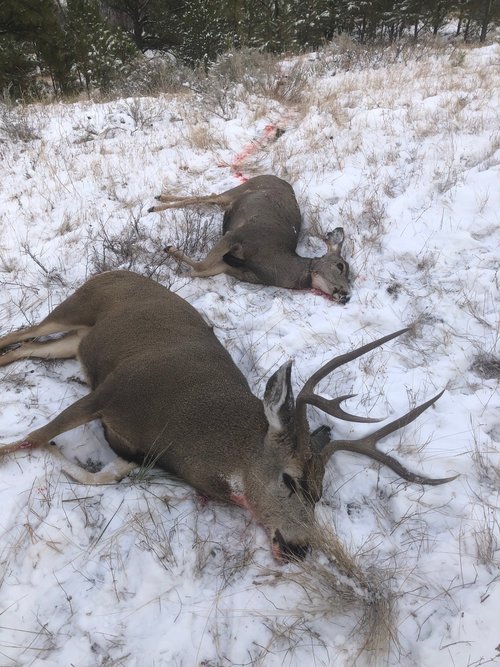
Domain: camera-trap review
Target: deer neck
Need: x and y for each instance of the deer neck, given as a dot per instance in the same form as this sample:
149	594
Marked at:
296	273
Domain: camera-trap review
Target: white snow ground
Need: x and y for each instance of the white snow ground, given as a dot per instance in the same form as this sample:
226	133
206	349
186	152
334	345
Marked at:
405	156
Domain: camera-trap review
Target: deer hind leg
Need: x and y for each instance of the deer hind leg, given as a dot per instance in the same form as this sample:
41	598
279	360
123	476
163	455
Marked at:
61	348
45	328
225	199
213	263
172	201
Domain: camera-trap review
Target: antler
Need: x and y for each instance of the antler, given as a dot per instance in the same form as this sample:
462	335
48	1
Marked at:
332	407
367	444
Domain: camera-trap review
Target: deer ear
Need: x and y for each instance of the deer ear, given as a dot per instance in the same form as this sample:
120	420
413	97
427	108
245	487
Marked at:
334	241
278	399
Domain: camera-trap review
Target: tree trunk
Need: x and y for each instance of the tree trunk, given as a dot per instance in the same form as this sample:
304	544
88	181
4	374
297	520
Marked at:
363	30
485	19
138	33
467	27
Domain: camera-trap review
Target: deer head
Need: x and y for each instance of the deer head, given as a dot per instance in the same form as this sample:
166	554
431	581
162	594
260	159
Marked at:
284	486
330	273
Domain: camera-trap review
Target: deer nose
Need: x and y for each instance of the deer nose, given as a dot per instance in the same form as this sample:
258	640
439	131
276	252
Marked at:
288	550
344	298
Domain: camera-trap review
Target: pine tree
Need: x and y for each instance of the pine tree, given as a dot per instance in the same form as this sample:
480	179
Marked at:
100	52
204	31
149	23
480	14
31	43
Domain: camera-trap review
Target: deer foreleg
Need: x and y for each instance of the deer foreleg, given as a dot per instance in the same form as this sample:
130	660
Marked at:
80	412
112	472
213	263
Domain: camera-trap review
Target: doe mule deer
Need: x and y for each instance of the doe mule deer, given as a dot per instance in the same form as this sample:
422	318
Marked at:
261	229
168	392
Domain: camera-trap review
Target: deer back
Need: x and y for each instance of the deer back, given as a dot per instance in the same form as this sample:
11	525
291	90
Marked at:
158	366
263	224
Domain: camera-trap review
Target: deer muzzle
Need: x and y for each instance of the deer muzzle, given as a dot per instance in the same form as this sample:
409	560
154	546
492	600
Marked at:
344	298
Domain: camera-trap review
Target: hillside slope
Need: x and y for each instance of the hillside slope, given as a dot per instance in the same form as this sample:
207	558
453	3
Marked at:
404	153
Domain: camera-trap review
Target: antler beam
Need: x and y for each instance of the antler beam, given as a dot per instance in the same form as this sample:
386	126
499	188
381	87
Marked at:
367	446
307	396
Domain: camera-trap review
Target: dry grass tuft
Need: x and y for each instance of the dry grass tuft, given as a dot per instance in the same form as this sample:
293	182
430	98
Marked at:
487	470
487	538
153	534
19	123
487	366
336	582
194	233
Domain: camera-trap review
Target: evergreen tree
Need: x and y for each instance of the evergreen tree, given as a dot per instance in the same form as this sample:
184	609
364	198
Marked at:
203	31
90	43
31	42
18	68
438	11
480	14
100	52
490	10
149	23
311	22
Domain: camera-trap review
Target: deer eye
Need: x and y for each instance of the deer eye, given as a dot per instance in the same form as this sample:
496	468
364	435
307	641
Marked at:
340	267
290	483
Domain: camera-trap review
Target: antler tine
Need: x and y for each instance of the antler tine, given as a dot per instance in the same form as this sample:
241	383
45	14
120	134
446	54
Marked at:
332	407
367	446
307	396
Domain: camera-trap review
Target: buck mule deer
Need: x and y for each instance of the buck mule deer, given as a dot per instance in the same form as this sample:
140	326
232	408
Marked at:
261	228
167	391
